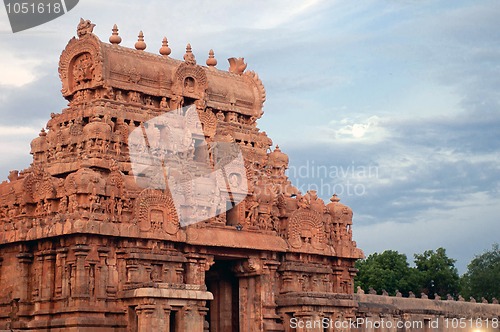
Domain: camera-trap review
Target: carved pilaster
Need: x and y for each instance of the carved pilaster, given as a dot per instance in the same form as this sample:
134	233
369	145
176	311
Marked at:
61	255
37	276
145	317
337	279
103	273
190	319
81	286
25	259
269	287
195	269
48	274
133	275
152	317
305	317
249	273
167	311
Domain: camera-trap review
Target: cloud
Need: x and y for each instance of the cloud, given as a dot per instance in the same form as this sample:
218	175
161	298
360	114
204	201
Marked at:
458	229
349	130
15	72
420	164
32	103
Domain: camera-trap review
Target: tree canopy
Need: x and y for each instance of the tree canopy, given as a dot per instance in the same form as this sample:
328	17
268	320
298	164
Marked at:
482	278
437	273
434	273
386	271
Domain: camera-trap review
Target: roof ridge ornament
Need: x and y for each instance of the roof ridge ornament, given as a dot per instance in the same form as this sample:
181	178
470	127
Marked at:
335	198
211	61
140	44
165	50
237	65
115	39
84	28
189	56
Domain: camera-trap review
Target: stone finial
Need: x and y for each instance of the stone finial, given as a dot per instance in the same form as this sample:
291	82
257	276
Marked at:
398	293
483	300
334	198
42	133
237	65
140	45
372	291
115	39
461	298
437	297
384	292
494	300
211	61
189	56
411	295
423	296
360	290
449	297
165	50
472	300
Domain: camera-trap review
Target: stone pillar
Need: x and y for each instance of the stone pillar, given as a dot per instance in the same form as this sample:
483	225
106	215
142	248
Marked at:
61	255
191	271
48	274
167	311
145	318
37	278
133	275
269	288
203	311
81	287
352	274
337	279
179	274
195	269
251	291
247	291
102	273
190	319
302	319
24	259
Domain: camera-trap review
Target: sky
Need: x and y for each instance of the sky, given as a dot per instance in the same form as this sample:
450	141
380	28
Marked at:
393	105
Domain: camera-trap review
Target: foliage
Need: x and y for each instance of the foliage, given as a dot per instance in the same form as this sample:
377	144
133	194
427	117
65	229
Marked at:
482	278
437	273
388	270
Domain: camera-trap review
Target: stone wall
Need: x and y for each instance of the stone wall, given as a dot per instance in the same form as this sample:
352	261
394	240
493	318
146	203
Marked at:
417	314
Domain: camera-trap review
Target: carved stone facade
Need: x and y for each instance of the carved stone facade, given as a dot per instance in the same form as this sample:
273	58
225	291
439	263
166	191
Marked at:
85	246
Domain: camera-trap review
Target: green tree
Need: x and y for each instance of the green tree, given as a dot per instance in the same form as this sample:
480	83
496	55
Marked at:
389	270
482	278
437	273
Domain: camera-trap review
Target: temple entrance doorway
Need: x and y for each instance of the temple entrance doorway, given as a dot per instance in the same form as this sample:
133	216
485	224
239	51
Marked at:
223	314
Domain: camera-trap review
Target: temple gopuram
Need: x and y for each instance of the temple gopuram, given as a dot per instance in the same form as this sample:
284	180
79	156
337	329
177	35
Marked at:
130	218
86	247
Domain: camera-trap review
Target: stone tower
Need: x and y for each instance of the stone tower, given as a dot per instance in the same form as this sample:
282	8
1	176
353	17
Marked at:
92	239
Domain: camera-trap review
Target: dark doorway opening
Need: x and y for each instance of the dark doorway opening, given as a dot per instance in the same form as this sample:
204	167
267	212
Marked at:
224	313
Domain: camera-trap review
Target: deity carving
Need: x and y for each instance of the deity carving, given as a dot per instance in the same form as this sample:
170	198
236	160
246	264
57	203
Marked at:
83	69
